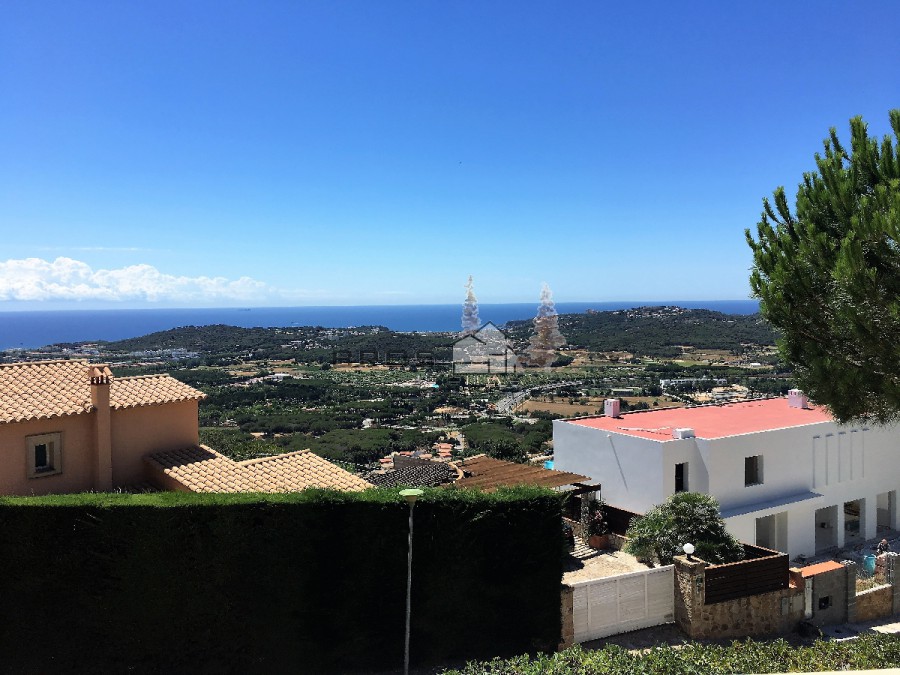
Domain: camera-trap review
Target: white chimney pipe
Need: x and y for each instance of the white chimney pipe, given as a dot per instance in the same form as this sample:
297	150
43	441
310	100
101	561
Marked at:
797	399
611	407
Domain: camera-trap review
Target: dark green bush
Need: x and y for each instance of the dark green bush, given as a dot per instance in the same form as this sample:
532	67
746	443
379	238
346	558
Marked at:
305	582
685	517
748	656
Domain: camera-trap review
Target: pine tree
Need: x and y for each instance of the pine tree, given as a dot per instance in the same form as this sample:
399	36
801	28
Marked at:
828	275
470	320
541	351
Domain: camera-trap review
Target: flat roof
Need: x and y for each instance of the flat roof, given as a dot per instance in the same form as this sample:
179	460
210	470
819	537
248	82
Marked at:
812	570
709	422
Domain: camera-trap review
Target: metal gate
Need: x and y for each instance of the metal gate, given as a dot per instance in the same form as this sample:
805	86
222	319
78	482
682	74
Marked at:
622	603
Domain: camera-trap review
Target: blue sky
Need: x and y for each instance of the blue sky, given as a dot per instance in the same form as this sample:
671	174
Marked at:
310	153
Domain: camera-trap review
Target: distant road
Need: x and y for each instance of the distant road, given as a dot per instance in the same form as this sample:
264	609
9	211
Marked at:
513	400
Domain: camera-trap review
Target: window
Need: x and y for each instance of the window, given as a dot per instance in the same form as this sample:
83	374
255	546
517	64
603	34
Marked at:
681	477
44	455
753	470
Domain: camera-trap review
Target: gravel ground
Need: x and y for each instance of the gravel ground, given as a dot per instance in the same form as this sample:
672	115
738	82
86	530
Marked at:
600	564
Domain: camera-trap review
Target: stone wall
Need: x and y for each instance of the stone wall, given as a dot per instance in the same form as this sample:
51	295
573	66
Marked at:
882	601
567	609
617	541
833	592
767	613
876	603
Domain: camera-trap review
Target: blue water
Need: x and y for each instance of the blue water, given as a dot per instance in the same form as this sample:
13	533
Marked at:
39	328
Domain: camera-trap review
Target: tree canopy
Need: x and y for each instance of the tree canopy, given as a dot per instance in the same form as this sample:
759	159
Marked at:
828	275
685	517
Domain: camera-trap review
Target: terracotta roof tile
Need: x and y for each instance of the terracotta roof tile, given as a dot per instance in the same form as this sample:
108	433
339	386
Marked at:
43	389
46	389
202	469
132	392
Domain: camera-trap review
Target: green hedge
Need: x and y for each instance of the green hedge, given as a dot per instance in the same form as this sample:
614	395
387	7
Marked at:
306	582
866	653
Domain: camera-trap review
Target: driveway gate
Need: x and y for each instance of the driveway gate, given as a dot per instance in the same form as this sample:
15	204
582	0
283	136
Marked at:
623	603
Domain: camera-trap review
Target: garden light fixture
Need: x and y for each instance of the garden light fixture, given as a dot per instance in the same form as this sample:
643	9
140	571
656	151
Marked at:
410	495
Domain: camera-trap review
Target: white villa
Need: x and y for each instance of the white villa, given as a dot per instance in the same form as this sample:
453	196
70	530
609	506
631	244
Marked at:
786	475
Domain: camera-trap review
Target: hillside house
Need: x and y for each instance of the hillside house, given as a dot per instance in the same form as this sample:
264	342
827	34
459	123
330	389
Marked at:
70	426
202	469
787	476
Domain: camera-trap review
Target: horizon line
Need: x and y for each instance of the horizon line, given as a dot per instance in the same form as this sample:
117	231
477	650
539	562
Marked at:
247	308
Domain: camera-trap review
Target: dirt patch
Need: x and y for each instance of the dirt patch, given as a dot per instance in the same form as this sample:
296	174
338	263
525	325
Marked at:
559	407
594	406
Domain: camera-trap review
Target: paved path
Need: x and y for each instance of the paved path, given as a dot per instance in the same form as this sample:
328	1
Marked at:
846	631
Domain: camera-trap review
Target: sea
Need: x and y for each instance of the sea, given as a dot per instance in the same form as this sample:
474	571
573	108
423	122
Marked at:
32	329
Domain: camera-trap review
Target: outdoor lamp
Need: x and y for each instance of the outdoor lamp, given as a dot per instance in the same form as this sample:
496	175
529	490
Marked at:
410	495
689	549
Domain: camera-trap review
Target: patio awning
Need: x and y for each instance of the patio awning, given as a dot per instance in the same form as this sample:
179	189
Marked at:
772	504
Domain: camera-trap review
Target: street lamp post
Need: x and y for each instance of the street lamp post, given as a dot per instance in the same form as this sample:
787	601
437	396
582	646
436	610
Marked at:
410	495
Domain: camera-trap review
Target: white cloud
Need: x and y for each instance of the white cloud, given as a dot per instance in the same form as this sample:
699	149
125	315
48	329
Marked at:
35	279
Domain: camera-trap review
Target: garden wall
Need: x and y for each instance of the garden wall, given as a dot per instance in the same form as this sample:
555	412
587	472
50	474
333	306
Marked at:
308	582
876	603
764	613
761	571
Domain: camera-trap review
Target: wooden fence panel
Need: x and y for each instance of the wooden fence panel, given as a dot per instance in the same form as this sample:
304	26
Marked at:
752	552
745	578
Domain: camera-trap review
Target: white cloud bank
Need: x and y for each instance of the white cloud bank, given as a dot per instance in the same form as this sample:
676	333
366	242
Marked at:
64	279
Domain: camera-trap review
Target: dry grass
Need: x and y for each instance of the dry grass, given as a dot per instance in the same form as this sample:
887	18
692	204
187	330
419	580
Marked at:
593	405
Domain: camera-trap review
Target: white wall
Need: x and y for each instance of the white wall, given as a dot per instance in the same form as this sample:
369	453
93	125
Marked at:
786	468
842	463
629	469
688	450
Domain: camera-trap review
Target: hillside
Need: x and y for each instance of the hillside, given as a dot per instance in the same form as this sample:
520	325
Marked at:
303	343
656	331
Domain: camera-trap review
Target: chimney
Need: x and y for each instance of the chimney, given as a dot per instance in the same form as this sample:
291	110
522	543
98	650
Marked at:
797	399
611	407
100	376
682	433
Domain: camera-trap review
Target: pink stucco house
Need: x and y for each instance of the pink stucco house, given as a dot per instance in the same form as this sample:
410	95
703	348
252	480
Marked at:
70	426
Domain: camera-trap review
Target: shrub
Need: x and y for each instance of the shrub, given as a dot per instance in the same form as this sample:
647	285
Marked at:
685	517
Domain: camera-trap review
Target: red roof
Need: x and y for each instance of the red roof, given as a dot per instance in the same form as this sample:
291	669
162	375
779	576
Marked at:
818	568
715	421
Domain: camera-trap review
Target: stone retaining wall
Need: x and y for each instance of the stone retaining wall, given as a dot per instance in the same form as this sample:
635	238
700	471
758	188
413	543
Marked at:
876	603
764	614
567	612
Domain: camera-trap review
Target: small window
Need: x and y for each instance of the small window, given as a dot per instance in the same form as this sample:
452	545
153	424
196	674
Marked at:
681	477
44	455
825	603
753	470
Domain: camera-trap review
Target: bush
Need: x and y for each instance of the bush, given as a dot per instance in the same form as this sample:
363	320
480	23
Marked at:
304	582
866	652
685	517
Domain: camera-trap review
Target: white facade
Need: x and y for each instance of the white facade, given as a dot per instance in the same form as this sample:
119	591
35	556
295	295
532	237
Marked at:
812	485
